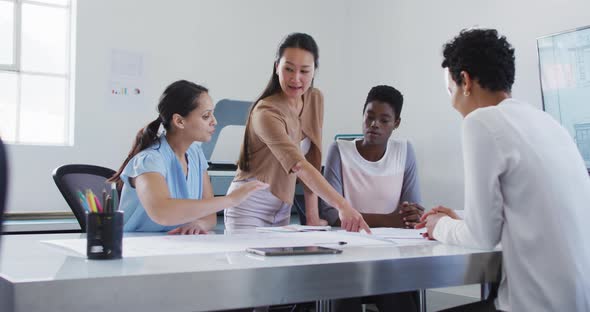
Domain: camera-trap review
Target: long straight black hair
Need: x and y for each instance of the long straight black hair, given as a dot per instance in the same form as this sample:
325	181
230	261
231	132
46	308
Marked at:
294	40
180	97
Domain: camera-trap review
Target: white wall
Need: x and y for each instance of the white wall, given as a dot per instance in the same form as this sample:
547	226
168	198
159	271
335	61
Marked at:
421	28
229	45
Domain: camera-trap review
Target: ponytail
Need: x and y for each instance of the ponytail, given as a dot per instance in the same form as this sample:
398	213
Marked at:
145	138
180	97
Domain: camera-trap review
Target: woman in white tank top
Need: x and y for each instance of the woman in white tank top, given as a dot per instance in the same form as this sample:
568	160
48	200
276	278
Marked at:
378	176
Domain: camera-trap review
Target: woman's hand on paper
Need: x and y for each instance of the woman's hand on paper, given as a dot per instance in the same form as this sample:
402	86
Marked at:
351	220
315	222
241	193
192	228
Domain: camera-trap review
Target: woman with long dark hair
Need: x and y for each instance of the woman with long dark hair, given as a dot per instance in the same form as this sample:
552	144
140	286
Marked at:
282	143
165	182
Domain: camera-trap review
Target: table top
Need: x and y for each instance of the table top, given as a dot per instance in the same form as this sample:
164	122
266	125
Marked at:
225	280
41	226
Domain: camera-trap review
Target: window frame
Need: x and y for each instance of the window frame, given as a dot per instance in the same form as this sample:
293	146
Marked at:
15	23
16	68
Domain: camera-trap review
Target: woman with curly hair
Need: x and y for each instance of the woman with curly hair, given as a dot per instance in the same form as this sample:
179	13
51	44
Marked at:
526	185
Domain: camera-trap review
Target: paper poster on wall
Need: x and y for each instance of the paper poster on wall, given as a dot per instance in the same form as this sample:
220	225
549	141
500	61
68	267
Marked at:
127	79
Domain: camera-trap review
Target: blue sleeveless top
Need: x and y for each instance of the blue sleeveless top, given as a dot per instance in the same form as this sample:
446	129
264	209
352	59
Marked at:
160	158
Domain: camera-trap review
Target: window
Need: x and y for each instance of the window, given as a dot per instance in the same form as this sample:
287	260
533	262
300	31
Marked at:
35	76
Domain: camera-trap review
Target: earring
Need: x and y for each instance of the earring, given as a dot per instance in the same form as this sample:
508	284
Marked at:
466	93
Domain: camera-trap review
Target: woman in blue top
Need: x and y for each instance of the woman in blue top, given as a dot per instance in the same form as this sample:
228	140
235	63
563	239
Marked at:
165	182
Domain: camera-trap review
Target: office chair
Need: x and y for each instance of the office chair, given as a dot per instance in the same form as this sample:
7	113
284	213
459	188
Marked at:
3	182
72	178
299	204
347	136
227	113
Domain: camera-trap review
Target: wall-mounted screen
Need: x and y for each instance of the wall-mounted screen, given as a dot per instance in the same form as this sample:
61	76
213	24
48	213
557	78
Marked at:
564	67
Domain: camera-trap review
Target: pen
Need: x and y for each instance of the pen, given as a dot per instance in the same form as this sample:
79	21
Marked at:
332	243
114	197
91	202
83	201
104	201
109	204
98	205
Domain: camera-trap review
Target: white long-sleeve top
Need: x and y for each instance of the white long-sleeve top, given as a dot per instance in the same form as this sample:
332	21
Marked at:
526	187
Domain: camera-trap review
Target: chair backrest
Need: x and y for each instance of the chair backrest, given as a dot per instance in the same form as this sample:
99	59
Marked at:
299	204
347	136
228	113
73	178
3	182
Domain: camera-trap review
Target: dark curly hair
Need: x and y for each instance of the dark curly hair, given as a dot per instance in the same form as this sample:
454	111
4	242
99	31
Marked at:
486	56
386	94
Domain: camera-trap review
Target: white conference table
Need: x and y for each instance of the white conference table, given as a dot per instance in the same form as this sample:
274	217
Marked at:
35	276
46	226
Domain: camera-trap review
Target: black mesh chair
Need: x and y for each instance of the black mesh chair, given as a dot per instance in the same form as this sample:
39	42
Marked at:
72	178
3	182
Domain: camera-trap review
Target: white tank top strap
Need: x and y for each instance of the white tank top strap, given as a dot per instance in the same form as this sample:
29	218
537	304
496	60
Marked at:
305	145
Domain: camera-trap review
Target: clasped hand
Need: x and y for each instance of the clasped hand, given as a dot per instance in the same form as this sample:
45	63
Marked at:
410	214
431	218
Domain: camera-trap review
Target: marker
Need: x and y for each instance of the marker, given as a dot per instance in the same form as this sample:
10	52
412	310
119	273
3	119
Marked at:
332	243
83	201
114	197
97	203
104	201
91	202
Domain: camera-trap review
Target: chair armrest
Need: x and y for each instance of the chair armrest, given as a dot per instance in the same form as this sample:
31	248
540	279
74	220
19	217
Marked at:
222	166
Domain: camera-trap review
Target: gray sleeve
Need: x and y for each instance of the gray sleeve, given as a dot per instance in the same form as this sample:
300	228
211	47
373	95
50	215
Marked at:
333	174
411	186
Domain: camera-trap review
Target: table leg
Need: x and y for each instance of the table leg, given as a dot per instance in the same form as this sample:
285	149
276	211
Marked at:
422	299
485	290
322	306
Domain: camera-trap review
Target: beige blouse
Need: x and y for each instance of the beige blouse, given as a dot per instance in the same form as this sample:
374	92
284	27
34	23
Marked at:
274	134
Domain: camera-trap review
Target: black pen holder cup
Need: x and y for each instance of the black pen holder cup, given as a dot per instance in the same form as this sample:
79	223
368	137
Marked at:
104	235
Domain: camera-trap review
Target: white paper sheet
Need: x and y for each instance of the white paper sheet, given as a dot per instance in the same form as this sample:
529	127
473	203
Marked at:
202	244
127	85
398	233
401	237
294	228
